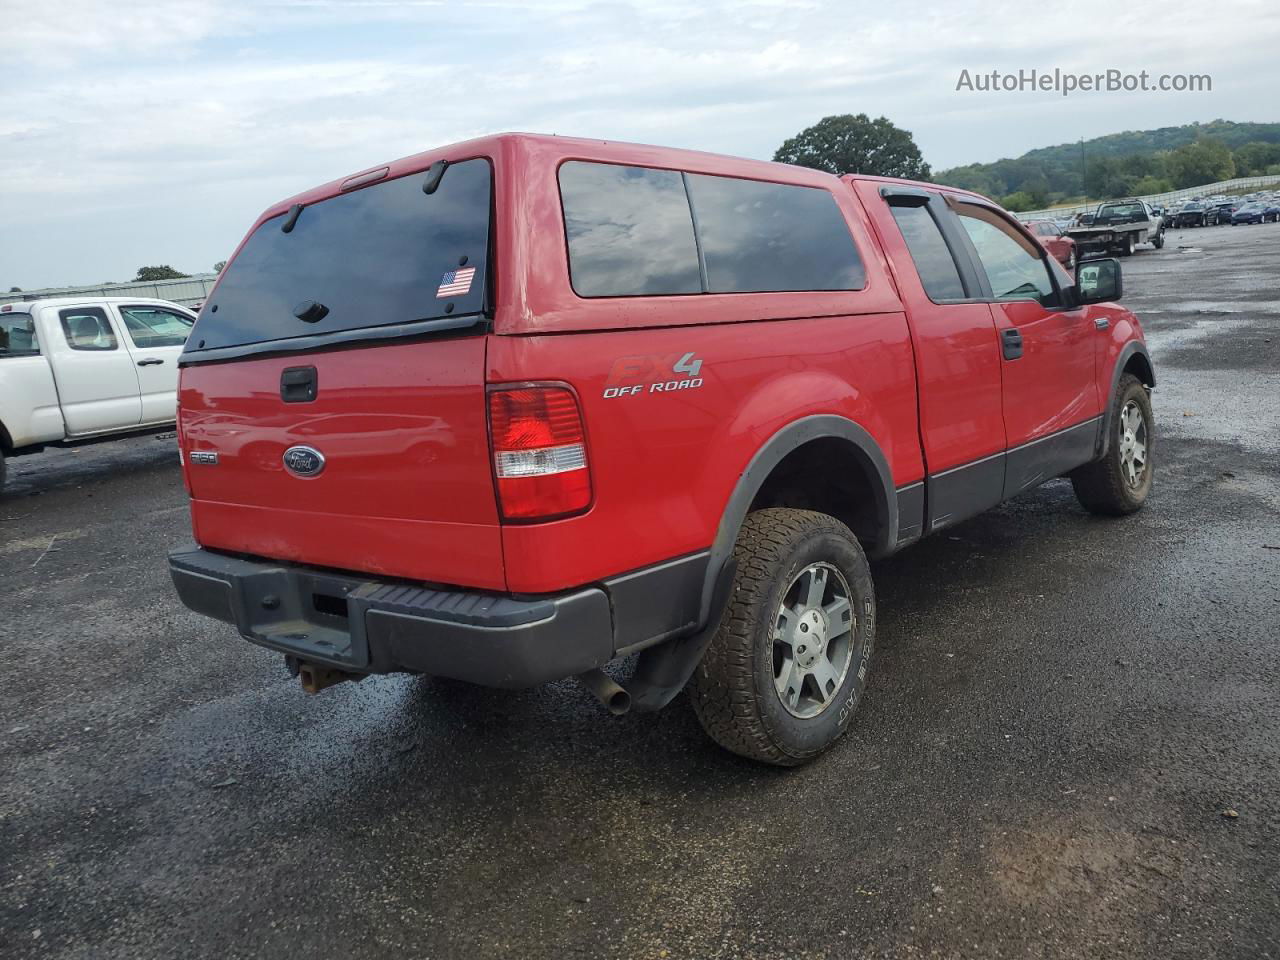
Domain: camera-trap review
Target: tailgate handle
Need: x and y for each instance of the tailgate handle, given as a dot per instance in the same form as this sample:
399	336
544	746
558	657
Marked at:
298	385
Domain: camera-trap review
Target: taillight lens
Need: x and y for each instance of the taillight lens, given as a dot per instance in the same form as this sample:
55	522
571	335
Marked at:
539	453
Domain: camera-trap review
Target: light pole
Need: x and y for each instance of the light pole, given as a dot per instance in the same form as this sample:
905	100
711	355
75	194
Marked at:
1084	184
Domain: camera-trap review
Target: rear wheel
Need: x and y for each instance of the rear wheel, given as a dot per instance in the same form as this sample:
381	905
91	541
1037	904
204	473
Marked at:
1126	245
1120	482
786	669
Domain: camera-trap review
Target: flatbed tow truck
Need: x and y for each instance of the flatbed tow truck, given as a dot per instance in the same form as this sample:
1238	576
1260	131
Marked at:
1117	227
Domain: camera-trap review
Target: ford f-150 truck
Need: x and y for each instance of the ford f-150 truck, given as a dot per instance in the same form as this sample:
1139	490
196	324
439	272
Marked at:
512	409
74	370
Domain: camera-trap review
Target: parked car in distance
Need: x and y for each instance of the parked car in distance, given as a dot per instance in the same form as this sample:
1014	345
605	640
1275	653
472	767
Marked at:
1192	214
1223	211
79	369
1271	211
1054	239
510	409
1248	213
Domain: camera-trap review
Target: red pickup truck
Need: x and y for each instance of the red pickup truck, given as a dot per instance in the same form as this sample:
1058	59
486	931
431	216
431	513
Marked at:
512	409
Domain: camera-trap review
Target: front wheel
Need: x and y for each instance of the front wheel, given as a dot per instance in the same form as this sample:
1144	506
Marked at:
1158	242
1120	482
788	663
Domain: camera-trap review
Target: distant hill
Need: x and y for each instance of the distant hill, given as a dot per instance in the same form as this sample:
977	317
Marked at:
1119	164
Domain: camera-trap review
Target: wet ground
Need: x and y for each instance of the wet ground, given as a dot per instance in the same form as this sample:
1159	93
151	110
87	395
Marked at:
1061	713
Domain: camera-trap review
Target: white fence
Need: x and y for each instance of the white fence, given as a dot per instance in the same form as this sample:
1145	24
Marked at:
1159	199
187	291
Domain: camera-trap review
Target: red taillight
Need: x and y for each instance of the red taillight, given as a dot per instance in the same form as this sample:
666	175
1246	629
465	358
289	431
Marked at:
539	453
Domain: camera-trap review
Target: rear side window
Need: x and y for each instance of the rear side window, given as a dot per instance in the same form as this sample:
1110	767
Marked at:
87	328
380	255
636	231
629	229
155	326
759	237
929	252
18	335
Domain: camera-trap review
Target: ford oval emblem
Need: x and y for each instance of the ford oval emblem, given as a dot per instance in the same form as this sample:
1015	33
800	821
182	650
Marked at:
303	461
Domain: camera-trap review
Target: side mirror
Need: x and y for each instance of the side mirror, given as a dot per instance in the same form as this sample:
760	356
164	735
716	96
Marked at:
1099	281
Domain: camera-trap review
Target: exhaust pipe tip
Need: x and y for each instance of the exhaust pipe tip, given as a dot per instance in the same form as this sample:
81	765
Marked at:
601	686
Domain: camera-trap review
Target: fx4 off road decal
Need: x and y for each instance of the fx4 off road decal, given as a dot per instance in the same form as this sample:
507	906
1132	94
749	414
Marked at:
632	376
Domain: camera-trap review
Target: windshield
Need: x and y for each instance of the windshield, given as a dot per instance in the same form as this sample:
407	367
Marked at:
385	254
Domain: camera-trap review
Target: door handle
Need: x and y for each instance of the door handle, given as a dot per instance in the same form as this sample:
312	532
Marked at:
1011	343
150	362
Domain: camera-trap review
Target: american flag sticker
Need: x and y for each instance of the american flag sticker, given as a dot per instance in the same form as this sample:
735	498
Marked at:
455	282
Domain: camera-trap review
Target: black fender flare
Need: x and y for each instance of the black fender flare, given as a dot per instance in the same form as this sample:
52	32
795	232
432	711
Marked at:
1128	352
664	669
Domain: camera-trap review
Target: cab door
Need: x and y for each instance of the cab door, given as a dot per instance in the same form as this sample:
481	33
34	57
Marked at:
956	347
155	336
96	377
1050	397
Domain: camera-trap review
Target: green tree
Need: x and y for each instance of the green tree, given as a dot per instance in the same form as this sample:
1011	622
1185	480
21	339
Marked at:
1205	161
1149	185
217	267
1253	159
162	272
846	143
1018	201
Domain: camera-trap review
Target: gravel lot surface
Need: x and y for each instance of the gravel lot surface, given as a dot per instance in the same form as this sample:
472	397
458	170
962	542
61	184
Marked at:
1061	713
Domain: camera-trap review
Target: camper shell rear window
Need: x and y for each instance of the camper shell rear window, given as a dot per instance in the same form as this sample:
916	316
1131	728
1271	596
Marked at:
385	259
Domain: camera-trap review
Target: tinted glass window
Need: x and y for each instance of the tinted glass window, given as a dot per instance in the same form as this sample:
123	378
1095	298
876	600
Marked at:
18	335
1012	263
155	327
87	328
929	252
384	254
629	229
1122	211
770	236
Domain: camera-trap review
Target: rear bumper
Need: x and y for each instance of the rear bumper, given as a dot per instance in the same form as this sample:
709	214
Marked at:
368	626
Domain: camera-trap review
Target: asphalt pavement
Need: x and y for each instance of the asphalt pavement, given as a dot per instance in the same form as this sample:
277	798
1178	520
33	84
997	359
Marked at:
1069	746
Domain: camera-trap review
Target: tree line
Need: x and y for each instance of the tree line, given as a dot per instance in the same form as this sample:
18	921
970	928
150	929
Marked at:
1133	163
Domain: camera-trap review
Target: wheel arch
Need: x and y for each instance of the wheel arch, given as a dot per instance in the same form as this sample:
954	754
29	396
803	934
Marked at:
1133	358
663	670
858	447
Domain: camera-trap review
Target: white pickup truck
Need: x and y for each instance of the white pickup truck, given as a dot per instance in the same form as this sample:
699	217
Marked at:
76	369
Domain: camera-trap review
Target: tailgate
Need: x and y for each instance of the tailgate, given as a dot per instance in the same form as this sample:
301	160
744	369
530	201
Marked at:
404	489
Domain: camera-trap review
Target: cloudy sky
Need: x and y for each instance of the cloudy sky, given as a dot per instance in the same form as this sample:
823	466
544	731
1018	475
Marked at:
136	132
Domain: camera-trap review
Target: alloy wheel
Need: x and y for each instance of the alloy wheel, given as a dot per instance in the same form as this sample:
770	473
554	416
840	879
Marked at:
813	640
1133	444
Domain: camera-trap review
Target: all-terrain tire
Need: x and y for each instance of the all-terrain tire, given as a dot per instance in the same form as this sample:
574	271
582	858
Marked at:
733	689
1102	486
